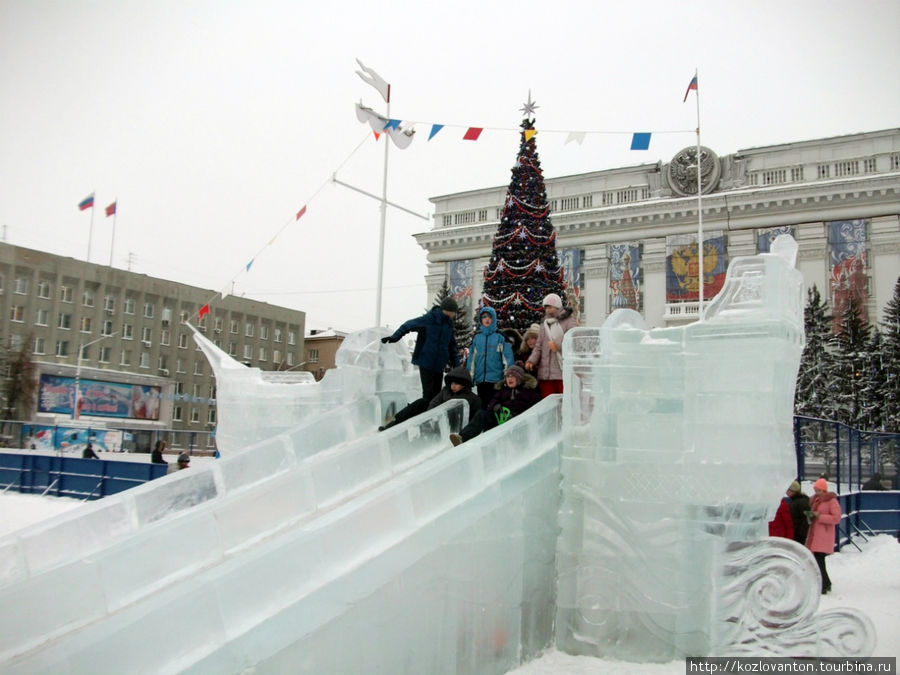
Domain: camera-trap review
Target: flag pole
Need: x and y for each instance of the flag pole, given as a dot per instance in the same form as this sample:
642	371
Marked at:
380	283
700	276
91	230
112	241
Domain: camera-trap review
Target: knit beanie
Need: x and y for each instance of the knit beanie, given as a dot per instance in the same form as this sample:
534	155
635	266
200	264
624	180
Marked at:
517	372
553	300
795	487
449	304
533	331
821	484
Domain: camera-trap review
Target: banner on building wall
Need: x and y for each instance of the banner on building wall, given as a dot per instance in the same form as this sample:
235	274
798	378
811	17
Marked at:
683	262
847	242
461	280
100	399
626	277
764	238
72	439
570	260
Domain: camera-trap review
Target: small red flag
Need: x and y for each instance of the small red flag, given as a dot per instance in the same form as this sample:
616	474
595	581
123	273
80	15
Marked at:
301	212
204	311
111	210
473	133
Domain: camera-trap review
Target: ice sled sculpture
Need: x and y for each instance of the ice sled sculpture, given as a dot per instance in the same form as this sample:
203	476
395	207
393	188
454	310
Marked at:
254	405
677	448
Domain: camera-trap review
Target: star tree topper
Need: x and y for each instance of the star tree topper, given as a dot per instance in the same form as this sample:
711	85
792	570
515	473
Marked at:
529	107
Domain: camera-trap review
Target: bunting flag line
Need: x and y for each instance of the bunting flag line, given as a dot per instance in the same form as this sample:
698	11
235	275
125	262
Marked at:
691	86
86	203
529	134
111	210
301	212
640	141
434	129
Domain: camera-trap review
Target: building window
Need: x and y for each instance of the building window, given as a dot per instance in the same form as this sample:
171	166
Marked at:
796	175
774	177
107	328
278	334
128	308
43	290
126	357
176	413
211	416
290	358
105	354
234	326
464	218
823	171
262	353
248	329
849	168
87	298
482	215
164	337
164	363
587	201
198	367
211	393
248	352
276	356
292	337
148	310
85	352
40	317
109	303
182	341
217	325
127	331
38	346
895	162
179	366
568	203
146	334
312	356
87	324
62	348
64	321
65	293
144	360
17	313
232	349
447	221
21	287
264	332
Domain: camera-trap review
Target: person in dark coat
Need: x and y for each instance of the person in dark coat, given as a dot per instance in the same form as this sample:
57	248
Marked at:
458	384
874	483
89	452
156	457
516	394
798	506
435	344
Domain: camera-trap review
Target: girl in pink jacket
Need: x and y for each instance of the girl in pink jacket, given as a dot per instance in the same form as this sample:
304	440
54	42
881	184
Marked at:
824	514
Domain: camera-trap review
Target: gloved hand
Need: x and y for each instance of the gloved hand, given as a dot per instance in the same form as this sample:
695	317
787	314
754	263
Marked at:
497	408
386	339
529	366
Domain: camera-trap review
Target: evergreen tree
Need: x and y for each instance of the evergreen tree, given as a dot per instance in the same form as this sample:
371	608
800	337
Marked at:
524	266
462	327
852	357
871	415
817	365
890	350
20	385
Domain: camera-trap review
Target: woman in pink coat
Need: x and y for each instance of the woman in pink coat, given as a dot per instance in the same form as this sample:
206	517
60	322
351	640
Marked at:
547	353
825	514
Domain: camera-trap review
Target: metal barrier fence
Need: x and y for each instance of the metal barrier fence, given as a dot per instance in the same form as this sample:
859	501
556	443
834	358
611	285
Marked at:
73	436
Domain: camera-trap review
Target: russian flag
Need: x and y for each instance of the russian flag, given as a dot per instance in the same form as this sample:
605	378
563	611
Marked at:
692	85
86	203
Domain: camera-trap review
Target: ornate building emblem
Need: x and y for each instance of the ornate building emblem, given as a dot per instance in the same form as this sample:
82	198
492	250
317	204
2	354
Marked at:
682	171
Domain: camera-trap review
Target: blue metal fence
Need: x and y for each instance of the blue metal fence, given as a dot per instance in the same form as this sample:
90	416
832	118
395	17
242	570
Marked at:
72	476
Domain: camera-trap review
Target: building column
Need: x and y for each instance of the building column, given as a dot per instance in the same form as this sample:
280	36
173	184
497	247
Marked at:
884	261
812	258
654	261
596	285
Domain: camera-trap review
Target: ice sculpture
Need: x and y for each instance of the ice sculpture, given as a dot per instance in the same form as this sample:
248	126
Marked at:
314	532
678	447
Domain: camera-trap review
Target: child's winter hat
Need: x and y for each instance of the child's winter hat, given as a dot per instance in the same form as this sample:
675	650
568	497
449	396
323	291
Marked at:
795	487
517	372
821	484
553	300
534	330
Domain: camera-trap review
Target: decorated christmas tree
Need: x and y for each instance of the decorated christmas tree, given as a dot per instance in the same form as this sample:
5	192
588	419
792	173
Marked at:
524	266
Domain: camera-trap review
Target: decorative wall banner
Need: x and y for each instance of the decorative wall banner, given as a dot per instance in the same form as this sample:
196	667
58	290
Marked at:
570	261
847	240
73	439
626	276
683	261
56	394
461	280
764	238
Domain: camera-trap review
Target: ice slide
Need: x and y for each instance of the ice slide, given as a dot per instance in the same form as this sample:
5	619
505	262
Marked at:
627	520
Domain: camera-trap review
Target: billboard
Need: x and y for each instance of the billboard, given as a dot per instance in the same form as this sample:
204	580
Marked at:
100	399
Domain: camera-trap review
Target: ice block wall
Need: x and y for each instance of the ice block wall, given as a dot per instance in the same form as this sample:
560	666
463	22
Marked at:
678	448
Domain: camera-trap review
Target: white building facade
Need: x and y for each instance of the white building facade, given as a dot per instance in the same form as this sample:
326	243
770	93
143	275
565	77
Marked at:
627	236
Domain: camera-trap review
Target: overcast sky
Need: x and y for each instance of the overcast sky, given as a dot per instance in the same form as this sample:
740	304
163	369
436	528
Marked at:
213	122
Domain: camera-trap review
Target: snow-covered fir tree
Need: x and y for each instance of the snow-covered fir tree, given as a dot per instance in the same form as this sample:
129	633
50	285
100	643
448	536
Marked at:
890	353
871	413
462	327
524	266
854	333
817	375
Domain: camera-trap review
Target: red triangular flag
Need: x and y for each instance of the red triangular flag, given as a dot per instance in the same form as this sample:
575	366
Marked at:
301	212
111	210
377	135
473	133
204	311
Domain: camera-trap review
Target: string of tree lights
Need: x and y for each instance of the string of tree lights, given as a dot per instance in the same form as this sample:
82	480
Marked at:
524	266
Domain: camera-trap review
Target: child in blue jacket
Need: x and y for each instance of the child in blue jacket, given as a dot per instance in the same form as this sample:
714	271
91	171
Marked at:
489	355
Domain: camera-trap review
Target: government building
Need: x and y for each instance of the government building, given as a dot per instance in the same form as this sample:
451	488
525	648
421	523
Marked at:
627	237
120	340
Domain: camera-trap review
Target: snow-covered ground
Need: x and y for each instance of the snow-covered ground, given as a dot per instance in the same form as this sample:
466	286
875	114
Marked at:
868	580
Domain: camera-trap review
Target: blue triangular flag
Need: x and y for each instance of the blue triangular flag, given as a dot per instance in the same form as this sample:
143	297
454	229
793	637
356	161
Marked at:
640	141
434	129
249	264
392	124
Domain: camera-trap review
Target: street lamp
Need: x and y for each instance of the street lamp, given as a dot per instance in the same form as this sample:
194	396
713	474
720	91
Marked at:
81	348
